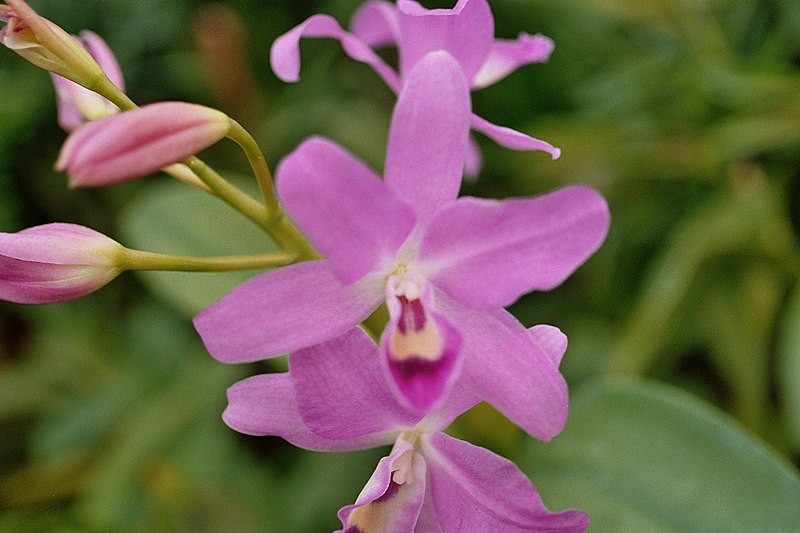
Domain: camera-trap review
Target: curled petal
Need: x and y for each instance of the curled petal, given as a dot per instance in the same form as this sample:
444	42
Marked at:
285	51
266	405
513	139
55	263
473	489
466	32
507	56
343	207
376	23
428	135
391	500
139	142
341	390
551	340
285	310
488	253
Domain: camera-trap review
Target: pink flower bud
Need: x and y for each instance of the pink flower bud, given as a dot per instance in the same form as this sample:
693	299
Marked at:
55	263
139	142
76	104
45	44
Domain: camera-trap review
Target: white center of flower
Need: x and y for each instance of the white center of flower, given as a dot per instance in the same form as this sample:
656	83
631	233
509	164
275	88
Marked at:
416	334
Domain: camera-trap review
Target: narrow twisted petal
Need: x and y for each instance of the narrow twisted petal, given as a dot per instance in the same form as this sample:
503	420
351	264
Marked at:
473	161
341	391
428	135
391	499
376	23
488	253
466	32
139	142
266	405
473	489
55	262
551	340
504	367
343	207
285	51
512	139
285	310
507	56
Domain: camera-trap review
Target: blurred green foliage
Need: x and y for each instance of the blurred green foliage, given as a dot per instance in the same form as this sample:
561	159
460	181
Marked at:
684	113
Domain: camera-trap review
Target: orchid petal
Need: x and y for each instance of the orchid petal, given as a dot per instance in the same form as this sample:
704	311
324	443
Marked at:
504	367
473	160
506	56
466	32
488	253
343	207
428	134
285	310
386	505
266	404
421	347
376	23
512	139
285	51
474	489
341	391
551	340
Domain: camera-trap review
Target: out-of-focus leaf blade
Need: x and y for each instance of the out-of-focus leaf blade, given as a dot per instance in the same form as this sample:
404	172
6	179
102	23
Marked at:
639	456
172	218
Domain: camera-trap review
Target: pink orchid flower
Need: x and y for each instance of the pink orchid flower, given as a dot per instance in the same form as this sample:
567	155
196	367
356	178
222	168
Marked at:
139	142
445	267
334	398
77	104
55	263
466	32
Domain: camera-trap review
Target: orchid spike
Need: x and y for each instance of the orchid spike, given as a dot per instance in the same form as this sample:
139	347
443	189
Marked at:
56	262
46	45
446	267
333	398
138	142
466	32
77	104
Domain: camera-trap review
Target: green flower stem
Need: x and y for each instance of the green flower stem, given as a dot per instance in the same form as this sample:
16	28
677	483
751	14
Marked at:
269	216
106	88
278	226
229	193
139	260
259	165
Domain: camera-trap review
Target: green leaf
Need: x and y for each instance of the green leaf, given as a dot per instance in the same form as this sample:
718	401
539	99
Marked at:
788	363
641	456
169	217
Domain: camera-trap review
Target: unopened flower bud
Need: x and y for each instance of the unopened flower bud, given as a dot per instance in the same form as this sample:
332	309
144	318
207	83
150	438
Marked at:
45	44
139	142
55	263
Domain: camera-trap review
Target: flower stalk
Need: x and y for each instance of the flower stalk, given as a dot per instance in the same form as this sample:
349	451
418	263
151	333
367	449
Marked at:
149	261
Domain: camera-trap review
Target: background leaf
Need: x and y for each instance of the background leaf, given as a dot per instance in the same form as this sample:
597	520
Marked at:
642	456
170	217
